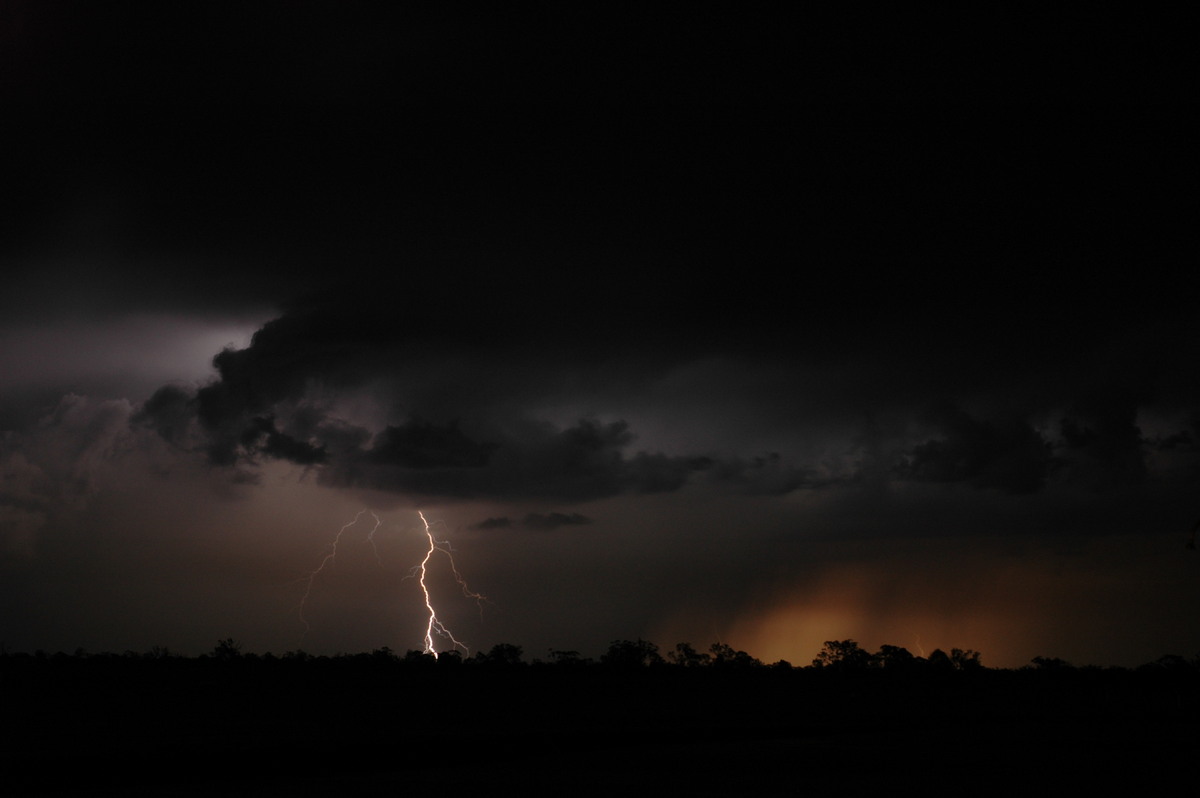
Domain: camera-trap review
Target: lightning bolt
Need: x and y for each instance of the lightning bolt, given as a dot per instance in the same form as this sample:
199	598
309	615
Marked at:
330	560
435	625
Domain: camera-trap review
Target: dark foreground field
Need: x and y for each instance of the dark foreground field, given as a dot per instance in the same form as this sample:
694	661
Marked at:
383	726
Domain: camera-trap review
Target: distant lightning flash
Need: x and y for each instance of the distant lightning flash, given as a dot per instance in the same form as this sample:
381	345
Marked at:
330	558
435	625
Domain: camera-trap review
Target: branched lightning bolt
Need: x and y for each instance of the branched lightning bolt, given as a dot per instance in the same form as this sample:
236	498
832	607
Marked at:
330	559
435	625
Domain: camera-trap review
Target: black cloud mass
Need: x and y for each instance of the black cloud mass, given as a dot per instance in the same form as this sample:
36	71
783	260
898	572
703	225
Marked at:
265	405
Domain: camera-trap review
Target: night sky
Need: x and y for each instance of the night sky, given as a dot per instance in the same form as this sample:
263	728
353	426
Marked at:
679	326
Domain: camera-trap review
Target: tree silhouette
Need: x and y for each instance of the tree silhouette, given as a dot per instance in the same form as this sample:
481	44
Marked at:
686	656
452	657
631	654
419	658
893	658
227	649
726	656
965	659
567	659
384	655
842	655
500	655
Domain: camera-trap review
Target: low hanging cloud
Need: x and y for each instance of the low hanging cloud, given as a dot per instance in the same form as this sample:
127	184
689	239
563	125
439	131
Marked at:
271	401
1095	445
1103	445
419	444
586	460
274	400
450	423
263	436
581	462
1007	454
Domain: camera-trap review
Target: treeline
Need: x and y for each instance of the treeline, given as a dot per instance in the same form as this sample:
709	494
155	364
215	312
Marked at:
841	656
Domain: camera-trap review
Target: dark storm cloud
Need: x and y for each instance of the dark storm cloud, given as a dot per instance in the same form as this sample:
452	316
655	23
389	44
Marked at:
170	412
459	391
263	436
419	444
261	405
536	521
470	269
1183	440
1007	454
233	417
577	463
464	425
1102	443
772	475
1094	444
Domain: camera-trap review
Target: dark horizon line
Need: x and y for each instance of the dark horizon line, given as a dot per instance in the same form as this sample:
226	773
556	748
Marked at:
843	656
